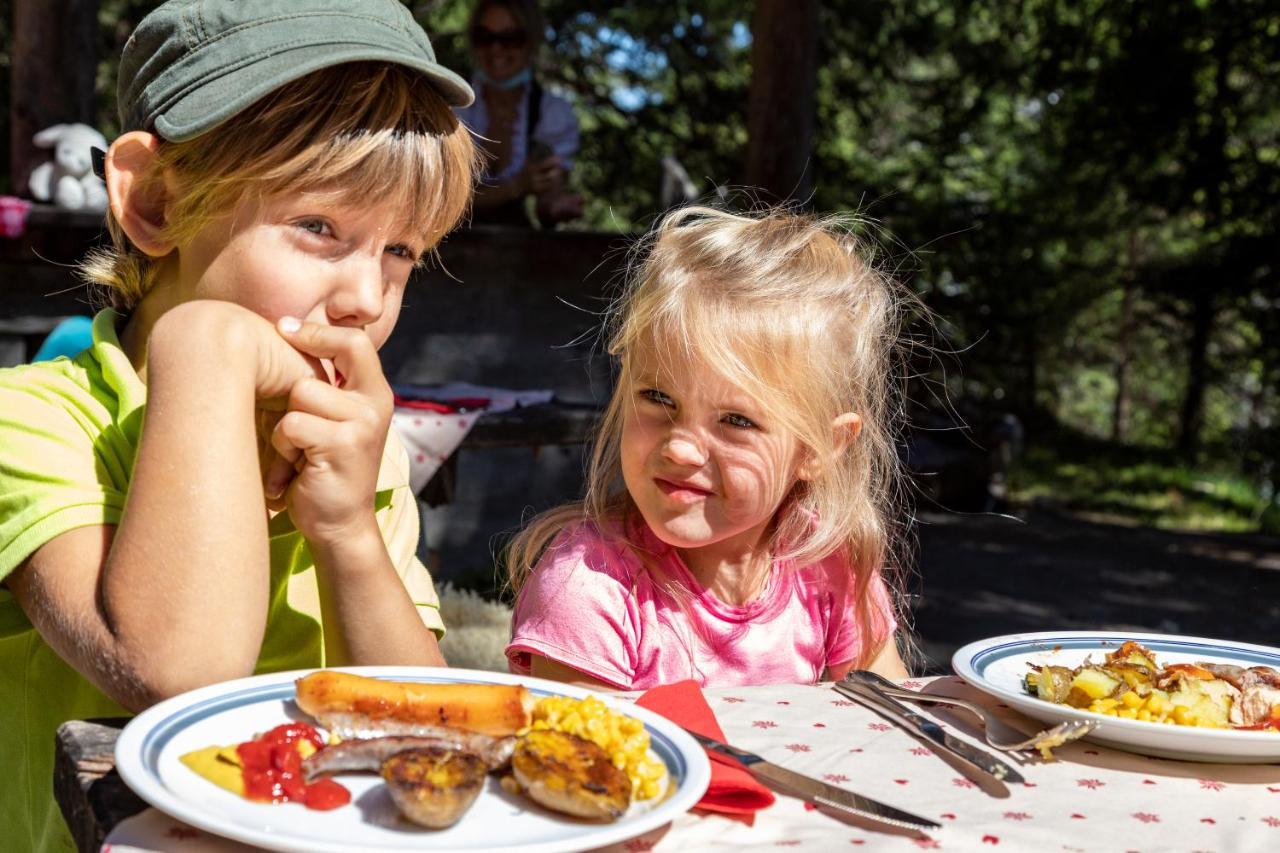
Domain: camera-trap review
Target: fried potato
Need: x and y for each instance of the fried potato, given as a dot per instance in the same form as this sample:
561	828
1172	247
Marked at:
433	786
568	774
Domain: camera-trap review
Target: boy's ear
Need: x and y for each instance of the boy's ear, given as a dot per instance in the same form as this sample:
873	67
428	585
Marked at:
845	430
138	196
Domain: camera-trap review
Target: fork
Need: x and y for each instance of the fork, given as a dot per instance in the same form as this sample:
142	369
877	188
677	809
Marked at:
999	734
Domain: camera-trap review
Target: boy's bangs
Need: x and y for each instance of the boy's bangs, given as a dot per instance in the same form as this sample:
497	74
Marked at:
388	137
384	168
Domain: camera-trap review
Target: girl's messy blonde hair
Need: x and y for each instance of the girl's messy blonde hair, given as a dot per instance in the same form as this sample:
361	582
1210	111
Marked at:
791	309
364	132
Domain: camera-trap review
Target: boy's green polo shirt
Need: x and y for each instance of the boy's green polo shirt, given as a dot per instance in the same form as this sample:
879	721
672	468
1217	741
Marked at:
68	437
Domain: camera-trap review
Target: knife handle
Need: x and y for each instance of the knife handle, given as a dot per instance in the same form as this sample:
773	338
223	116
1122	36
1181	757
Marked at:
888	704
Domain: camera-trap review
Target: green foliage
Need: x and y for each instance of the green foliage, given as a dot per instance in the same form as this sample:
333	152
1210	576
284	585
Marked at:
1142	486
1034	161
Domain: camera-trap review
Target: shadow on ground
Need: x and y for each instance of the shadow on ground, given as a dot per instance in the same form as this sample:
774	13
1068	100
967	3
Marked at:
985	575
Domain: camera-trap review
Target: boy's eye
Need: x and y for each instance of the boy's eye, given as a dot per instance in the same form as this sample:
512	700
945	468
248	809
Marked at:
316	226
739	421
400	250
653	395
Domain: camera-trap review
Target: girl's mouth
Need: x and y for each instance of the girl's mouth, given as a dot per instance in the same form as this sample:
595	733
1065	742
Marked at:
681	492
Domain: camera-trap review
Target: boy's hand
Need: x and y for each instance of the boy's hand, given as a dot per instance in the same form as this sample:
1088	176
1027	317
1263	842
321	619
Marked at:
332	434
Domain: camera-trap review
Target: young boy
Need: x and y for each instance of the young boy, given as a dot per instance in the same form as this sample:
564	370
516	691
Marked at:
212	489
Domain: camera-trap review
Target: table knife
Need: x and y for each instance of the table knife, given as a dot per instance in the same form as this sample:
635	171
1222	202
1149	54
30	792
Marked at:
968	757
818	792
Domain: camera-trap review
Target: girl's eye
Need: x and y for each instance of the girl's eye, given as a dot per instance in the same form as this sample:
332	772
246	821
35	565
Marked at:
653	395
316	226
735	420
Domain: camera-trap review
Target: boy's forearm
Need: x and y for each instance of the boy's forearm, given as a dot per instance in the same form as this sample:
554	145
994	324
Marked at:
368	616
191	551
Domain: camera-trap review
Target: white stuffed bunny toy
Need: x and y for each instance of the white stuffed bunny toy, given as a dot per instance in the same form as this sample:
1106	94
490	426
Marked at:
68	180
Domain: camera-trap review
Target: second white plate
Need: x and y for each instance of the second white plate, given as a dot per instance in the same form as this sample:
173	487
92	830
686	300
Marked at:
997	665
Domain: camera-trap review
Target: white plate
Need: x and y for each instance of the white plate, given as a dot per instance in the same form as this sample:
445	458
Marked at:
148	750
997	666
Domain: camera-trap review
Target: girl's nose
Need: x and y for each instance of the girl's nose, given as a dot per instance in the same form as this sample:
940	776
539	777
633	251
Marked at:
684	448
356	298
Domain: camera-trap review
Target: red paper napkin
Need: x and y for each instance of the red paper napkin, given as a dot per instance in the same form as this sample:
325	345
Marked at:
733	790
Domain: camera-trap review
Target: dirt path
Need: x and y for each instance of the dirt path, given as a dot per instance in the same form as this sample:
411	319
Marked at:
983	576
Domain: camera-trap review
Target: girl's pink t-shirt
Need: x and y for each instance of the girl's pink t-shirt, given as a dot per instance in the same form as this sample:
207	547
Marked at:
592	605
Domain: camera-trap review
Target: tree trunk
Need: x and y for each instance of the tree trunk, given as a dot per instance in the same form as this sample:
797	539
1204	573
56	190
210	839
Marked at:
1202	317
1120	410
780	109
52	79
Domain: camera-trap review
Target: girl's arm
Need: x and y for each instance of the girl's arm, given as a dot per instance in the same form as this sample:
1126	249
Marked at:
175	597
541	667
334	436
887	663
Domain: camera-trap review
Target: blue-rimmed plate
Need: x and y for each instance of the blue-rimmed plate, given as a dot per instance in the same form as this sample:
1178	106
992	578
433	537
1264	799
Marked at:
997	665
148	750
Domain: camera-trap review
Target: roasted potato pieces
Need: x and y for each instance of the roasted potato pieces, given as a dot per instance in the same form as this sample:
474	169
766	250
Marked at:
567	774
434	786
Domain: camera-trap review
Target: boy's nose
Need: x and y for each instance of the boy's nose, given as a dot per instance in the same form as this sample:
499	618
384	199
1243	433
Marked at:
356	299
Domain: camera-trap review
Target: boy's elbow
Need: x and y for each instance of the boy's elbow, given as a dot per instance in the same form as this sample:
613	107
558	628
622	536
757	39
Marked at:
165	679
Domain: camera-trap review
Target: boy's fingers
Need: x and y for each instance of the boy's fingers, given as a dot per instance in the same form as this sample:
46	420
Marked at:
324	400
352	352
302	432
280	473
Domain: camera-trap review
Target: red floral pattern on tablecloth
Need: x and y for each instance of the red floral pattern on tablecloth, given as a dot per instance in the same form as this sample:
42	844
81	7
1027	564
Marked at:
1090	787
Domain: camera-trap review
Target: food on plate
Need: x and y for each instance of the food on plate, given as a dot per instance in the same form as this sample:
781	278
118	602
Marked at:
1130	684
368	754
570	774
348	705
434	744
434	786
624	739
269	768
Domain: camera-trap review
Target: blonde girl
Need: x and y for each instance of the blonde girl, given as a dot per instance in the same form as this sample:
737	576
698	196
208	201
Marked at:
739	522
211	489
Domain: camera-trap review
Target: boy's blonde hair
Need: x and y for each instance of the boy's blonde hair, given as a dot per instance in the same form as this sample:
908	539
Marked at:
361	131
786	307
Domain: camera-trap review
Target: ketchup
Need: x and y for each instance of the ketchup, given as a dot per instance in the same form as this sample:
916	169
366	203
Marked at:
272	770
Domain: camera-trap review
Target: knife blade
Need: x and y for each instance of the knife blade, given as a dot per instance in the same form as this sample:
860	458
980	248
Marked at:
816	791
968	757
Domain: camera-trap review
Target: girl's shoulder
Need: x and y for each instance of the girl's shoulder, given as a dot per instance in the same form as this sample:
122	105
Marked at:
595	546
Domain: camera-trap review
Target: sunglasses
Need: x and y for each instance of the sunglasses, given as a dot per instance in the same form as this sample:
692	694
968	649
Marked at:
485	37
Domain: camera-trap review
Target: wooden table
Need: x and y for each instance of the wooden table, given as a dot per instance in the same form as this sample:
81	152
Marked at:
90	792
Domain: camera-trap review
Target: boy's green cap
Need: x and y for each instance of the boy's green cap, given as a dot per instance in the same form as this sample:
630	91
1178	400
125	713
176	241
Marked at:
192	64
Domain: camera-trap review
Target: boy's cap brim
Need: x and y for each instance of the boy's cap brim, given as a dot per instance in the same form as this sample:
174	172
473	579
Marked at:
208	85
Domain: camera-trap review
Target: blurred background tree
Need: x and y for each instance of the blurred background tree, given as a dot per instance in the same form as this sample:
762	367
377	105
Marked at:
1086	191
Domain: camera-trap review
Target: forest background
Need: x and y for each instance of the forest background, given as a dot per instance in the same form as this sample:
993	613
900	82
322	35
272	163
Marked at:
1085	192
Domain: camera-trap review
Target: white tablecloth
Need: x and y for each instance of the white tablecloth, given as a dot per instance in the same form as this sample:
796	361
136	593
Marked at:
1092	798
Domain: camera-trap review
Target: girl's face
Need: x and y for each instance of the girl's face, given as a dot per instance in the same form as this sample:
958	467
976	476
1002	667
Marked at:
704	464
312	257
501	45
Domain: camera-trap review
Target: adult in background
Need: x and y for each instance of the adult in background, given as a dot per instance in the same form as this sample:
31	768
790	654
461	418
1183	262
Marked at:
529	133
